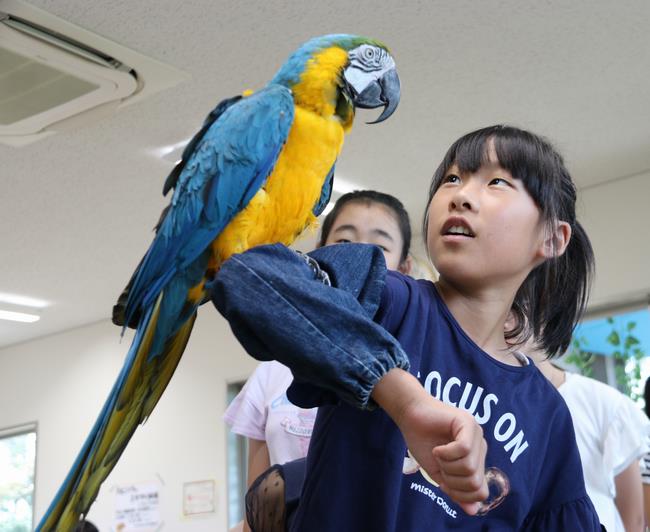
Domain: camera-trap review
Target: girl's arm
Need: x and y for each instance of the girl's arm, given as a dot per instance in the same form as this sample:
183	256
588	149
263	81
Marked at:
646	503
258	459
629	497
446	441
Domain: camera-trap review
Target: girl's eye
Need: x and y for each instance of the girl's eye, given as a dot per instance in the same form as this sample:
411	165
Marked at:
343	241
500	181
451	178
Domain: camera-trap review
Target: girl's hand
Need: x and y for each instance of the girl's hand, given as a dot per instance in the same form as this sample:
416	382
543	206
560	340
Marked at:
447	442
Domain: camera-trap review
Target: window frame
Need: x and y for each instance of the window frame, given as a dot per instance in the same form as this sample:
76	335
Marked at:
21	429
238	462
629	305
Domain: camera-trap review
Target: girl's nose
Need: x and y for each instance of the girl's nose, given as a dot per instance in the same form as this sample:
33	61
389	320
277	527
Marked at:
463	199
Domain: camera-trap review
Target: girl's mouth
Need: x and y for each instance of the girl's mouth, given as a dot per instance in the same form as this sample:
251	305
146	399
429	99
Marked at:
457	227
459	230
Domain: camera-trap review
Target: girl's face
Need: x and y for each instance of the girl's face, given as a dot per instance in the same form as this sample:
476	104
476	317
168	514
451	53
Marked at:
369	223
484	227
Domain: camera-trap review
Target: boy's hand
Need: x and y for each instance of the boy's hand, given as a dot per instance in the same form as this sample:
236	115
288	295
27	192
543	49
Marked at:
447	442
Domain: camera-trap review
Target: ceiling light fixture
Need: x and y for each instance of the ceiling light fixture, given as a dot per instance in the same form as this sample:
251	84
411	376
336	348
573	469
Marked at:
172	152
23	301
18	316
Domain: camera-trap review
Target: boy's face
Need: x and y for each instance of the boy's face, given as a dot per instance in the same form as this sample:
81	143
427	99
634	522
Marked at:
484	227
371	223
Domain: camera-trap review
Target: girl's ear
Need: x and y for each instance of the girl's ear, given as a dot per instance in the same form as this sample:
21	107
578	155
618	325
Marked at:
406	266
556	242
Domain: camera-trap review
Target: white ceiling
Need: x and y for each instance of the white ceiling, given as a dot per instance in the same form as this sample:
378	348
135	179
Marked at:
77	208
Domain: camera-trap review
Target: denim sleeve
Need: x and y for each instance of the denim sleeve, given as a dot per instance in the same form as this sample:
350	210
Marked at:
279	308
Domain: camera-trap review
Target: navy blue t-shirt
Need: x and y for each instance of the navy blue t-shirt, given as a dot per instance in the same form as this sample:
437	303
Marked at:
359	476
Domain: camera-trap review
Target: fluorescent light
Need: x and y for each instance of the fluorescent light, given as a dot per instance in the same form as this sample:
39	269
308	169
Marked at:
172	152
18	316
23	301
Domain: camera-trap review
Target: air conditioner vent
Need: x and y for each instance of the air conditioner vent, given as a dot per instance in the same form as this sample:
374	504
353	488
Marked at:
54	74
30	88
61	41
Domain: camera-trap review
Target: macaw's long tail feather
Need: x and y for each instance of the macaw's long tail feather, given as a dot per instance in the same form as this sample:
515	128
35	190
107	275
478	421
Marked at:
132	399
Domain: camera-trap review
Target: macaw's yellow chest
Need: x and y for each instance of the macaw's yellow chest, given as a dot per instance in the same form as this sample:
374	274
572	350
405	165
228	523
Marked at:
282	208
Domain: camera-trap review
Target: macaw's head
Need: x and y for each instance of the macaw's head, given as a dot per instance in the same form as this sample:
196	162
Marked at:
334	74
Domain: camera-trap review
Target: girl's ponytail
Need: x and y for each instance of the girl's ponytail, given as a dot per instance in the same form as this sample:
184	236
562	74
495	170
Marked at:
562	308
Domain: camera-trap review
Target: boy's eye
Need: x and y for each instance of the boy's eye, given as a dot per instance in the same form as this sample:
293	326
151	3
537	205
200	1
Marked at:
343	241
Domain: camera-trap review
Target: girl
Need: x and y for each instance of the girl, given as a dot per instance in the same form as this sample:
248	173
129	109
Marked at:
611	433
501	231
278	431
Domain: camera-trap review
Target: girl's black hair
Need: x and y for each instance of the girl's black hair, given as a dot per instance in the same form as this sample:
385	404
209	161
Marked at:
550	302
369	197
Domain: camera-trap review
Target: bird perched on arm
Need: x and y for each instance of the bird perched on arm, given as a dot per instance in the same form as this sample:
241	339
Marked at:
258	172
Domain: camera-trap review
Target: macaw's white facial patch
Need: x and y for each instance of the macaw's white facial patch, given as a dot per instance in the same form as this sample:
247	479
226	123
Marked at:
367	63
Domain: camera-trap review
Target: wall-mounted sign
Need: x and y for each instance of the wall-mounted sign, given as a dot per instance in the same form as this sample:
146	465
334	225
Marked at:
198	497
137	508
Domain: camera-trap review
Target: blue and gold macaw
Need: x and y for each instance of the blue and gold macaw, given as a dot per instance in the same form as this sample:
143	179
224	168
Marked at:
259	171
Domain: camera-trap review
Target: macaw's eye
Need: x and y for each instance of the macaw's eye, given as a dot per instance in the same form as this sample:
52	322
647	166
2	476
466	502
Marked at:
369	53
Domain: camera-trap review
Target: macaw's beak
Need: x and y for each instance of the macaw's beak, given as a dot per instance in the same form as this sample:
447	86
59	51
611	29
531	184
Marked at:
383	91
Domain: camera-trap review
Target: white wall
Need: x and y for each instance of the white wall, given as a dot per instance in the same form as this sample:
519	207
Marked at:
61	382
616	216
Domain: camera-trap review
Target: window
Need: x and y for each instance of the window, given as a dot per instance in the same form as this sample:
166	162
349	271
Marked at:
237	469
17	461
619	345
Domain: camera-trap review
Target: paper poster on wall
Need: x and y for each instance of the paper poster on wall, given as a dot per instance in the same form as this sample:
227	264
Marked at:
137	508
198	497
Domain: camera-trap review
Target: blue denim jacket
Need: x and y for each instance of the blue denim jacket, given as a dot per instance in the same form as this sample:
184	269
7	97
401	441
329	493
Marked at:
279	308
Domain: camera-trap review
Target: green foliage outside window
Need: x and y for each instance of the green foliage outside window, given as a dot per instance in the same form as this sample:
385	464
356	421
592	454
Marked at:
580	356
17	457
627	355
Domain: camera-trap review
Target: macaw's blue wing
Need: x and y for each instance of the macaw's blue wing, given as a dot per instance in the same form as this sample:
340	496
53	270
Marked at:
326	193
119	317
173	176
227	165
